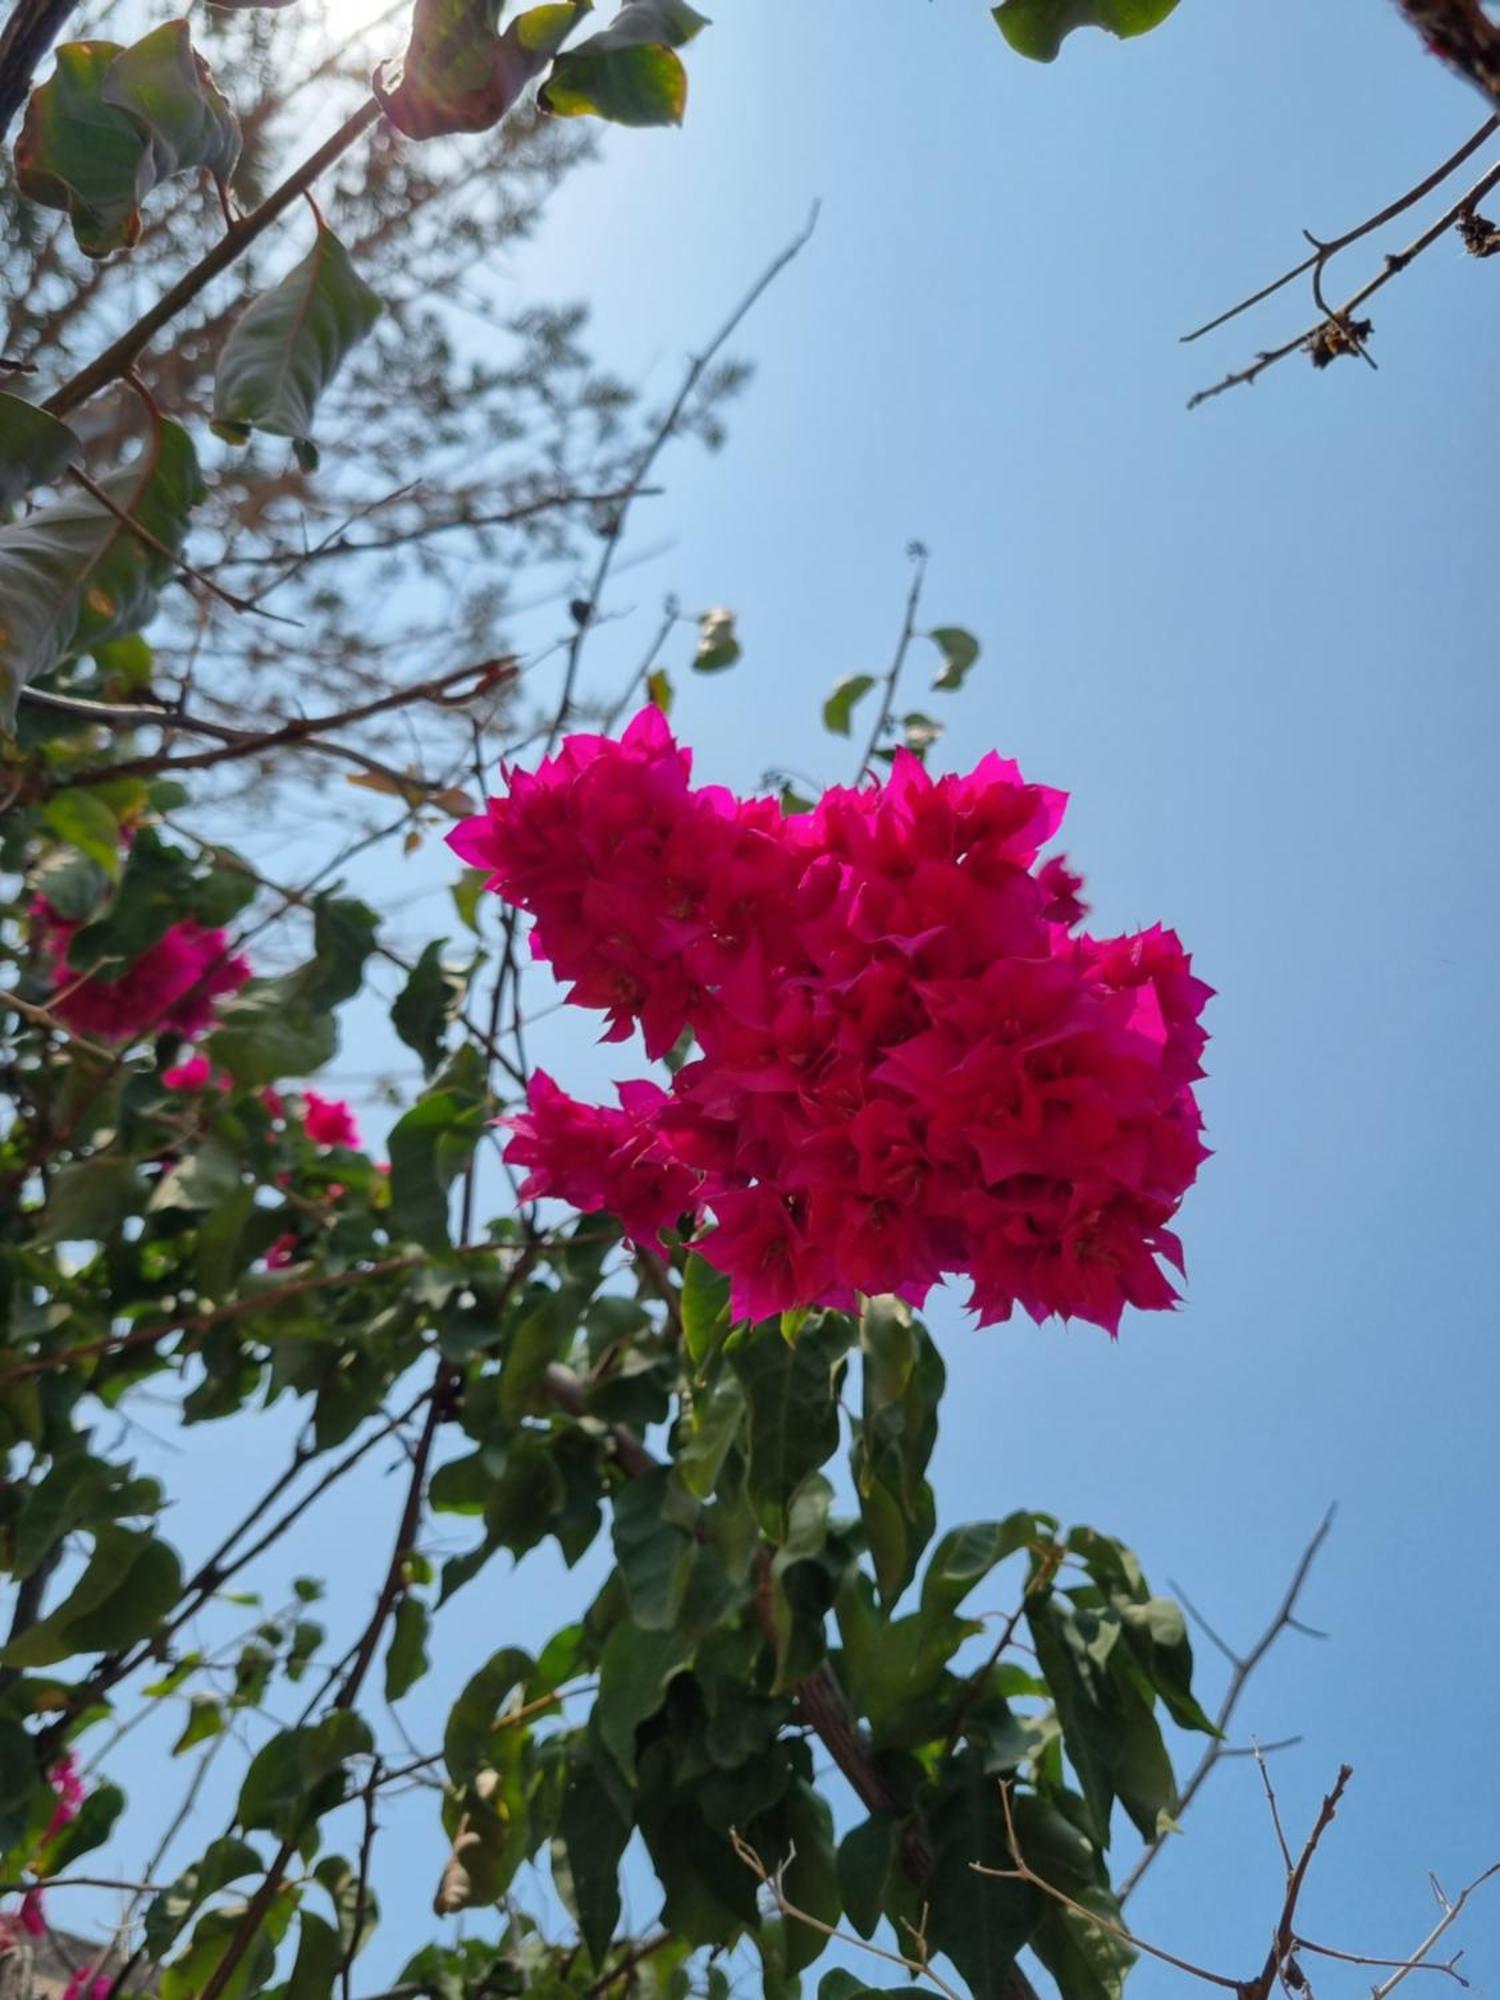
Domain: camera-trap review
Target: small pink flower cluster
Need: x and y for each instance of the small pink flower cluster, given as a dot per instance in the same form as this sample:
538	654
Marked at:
910	1064
68	1787
170	988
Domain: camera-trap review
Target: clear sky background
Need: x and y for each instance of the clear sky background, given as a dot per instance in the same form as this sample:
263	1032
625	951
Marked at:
1257	644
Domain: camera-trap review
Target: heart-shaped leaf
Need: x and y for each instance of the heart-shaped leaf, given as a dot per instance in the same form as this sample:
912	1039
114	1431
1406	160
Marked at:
630	72
34	448
1036	28
458	75
287	346
75	575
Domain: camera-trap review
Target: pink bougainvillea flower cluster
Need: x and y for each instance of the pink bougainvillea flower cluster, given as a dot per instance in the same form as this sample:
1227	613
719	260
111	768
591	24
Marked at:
170	988
67	1786
329	1121
911	1062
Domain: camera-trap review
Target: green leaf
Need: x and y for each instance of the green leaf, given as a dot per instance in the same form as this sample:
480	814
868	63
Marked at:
903	1383
1036	28
267	1031
634	1670
112	122
287	346
965	1556
90	1827
300	1773
187	1977
838	710
466	892
76	1491
208	1179
705	1307
81	154
406	1659
655	1547
319	1957
89	1199
960	649
74	575
717	1415
83	820
459	75
976	1920
471	1720
35	448
867	1854
429	1146
629	73
594	1835
1086	1962
205	1720
426	1004
19	1781
225	1861
130	1583
718	646
169	89
793	1396
659	691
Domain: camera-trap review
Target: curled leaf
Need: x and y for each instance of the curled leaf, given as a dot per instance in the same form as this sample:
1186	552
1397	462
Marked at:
35	448
459	75
75	575
960	649
287	346
629	73
1036	28
718	647
166	86
112	123
838	710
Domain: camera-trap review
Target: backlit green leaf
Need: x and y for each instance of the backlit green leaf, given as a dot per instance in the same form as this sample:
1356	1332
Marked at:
35	447
1036	28
630	72
287	346
74	575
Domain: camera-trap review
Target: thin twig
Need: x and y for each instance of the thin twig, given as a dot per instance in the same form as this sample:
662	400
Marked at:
1339	322
1243	1668
1323	252
886	712
1449	1916
154	542
589	605
771	1882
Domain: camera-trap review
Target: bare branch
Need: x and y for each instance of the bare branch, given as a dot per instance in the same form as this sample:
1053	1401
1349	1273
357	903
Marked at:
1282	1621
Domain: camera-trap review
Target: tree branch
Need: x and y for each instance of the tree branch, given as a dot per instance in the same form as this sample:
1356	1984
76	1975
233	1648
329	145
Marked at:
33	27
1243	1667
1337	332
886	712
120	356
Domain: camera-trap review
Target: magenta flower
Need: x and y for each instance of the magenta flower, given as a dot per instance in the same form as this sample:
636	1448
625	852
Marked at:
171	986
329	1121
194	1073
910	1063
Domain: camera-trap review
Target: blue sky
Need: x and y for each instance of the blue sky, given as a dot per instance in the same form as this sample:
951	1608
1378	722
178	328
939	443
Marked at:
1256	644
